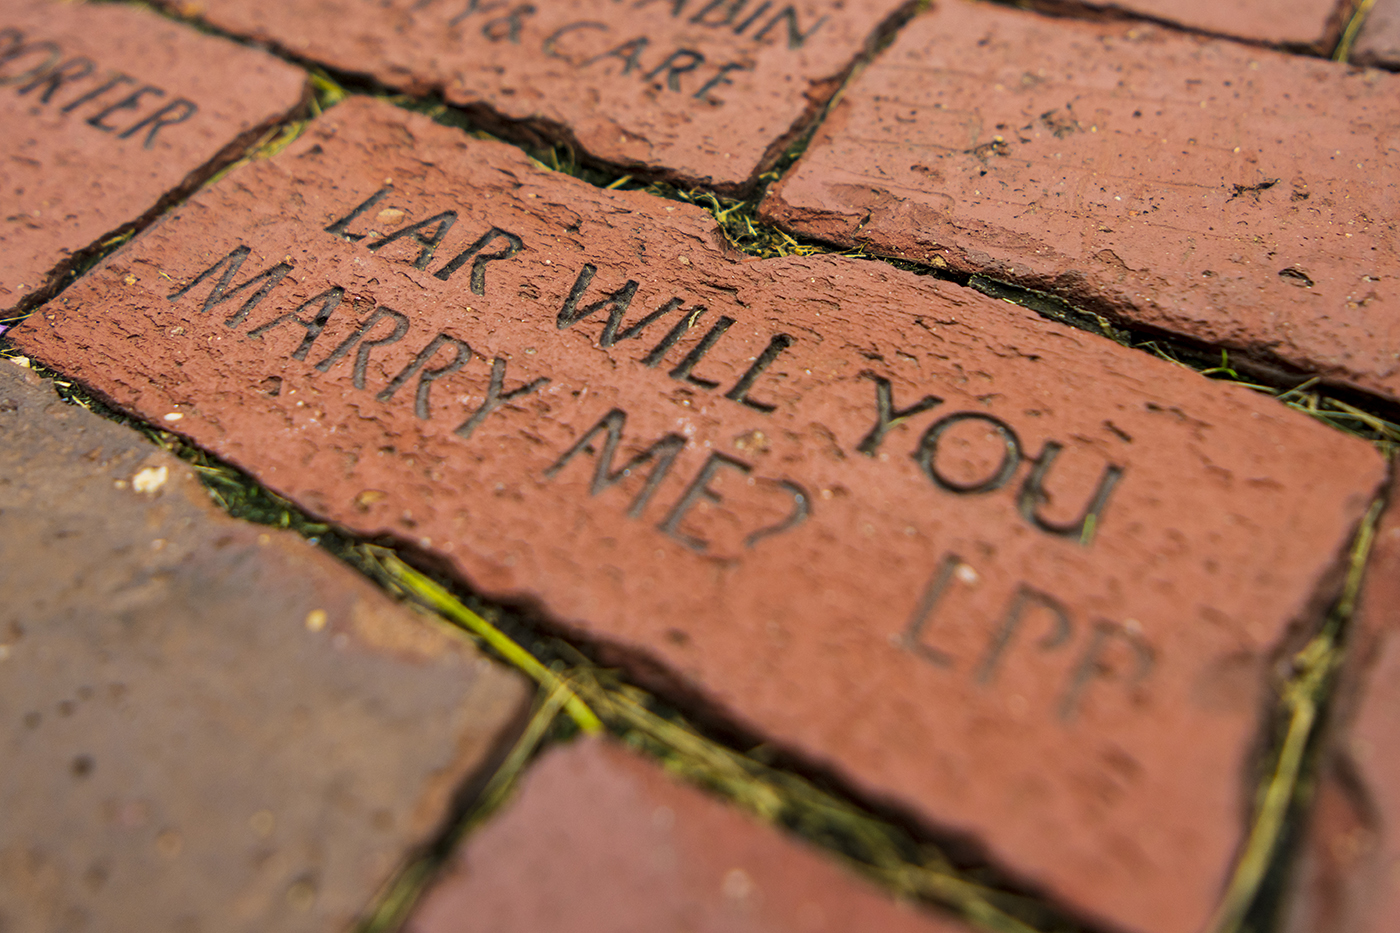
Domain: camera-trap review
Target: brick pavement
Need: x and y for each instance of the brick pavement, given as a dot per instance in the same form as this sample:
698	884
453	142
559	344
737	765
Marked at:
1022	589
1379	40
110	112
598	839
206	725
1235	196
707	91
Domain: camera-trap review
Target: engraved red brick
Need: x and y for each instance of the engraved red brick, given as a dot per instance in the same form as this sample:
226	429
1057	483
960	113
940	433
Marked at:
1015	577
709	91
106	110
1378	43
205	724
1234	195
1348	876
597	839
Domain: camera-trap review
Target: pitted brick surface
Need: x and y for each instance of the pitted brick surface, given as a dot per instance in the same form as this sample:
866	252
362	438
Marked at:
205	725
1348	876
707	91
104	111
1237	196
1311	24
1379	40
1017	578
600	841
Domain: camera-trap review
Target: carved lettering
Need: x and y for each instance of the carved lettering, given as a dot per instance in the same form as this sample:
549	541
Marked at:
615	303
129	102
707	343
740	393
53	75
496	396
19	49
796	38
513	245
661	454
426	377
1095	664
398	329
265	281
551	44
1033	496
72	70
341	227
912	639
177	111
673	336
801	510
508	27
676	64
927	454
116	79
1025	599
442	222
699	489
329	300
887	415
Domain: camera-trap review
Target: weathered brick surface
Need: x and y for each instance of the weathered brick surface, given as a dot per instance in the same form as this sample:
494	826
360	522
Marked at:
104	111
1234	195
205	725
599	841
853	508
710	91
1379	40
1348	877
1311	24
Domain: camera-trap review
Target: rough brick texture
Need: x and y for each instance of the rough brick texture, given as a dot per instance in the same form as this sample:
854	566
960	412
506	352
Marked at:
1237	196
105	111
1022	580
599	841
205	724
1379	40
709	91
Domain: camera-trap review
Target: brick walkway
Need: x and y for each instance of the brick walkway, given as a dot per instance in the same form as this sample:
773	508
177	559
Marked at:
928	462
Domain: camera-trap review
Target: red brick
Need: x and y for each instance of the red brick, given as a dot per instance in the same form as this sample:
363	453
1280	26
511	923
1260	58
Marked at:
1379	40
1312	24
597	839
1115	782
1348	878
1230	194
206	725
175	103
594	72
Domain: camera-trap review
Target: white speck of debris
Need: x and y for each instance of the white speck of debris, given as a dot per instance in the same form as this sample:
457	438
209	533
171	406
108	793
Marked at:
174	416
129	280
737	884
150	479
966	574
684	260
315	620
